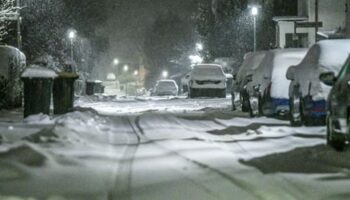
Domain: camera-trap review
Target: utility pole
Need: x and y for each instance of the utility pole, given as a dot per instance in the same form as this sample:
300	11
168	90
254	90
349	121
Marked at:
19	20
316	19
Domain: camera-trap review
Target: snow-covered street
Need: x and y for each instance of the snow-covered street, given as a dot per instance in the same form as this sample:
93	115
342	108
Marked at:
166	148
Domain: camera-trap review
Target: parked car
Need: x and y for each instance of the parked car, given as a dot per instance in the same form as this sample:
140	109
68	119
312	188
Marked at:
184	82
251	61
12	64
338	106
207	80
306	92
268	88
166	88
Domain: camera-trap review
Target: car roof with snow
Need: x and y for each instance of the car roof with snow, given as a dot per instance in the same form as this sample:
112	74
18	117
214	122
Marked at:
251	61
206	66
327	54
166	81
279	58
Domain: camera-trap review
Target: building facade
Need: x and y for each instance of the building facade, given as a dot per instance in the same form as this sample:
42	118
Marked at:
303	31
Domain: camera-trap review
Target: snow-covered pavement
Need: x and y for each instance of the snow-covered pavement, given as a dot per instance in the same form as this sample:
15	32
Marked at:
166	148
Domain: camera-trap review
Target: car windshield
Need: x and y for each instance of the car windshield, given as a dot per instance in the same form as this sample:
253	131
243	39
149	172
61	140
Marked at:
207	71
166	84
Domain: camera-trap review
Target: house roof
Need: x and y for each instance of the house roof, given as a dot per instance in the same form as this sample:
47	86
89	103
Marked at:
289	18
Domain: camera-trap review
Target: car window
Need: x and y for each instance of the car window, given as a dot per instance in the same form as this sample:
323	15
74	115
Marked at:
207	71
345	70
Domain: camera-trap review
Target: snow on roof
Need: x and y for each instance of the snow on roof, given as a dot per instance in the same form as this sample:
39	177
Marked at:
36	71
289	18
327	54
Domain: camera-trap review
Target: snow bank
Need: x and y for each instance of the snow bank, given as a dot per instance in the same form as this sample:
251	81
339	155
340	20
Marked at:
36	71
38	119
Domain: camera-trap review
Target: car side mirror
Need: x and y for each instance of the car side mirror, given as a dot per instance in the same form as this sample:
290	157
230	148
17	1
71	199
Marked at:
328	78
291	73
257	88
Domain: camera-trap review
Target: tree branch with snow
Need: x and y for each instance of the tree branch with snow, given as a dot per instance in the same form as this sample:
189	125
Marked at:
8	11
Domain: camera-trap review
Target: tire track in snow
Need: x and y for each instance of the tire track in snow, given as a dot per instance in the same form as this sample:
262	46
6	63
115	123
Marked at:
236	182
122	183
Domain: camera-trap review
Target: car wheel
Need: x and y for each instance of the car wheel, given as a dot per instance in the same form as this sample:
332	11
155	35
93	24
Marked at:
295	112
192	93
222	93
304	114
335	140
261	113
254	108
245	102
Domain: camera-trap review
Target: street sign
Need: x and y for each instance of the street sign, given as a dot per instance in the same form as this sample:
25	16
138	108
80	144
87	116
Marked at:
308	24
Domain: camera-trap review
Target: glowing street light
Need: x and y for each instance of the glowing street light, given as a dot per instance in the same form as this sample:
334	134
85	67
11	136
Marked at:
126	68
136	72
116	61
255	11
165	74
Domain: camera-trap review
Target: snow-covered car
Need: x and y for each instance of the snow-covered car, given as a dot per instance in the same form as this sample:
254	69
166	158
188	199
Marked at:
12	64
307	94
268	87
251	61
207	80
184	82
338	106
165	88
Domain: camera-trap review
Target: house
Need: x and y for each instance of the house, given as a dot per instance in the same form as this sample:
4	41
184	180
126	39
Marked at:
303	31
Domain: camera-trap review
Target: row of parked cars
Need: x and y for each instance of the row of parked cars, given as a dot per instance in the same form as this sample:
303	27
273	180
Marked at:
309	86
205	80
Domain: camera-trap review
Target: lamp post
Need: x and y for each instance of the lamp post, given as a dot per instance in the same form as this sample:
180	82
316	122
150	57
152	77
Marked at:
126	69
72	35
19	21
254	13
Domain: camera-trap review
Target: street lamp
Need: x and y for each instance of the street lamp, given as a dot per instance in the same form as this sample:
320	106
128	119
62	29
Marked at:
72	34
255	12
116	61
165	74
126	68
136	72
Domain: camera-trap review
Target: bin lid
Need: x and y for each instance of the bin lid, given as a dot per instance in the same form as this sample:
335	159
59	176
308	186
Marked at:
36	71
68	75
94	81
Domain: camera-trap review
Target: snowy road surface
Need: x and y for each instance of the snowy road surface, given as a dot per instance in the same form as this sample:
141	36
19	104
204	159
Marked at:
166	148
